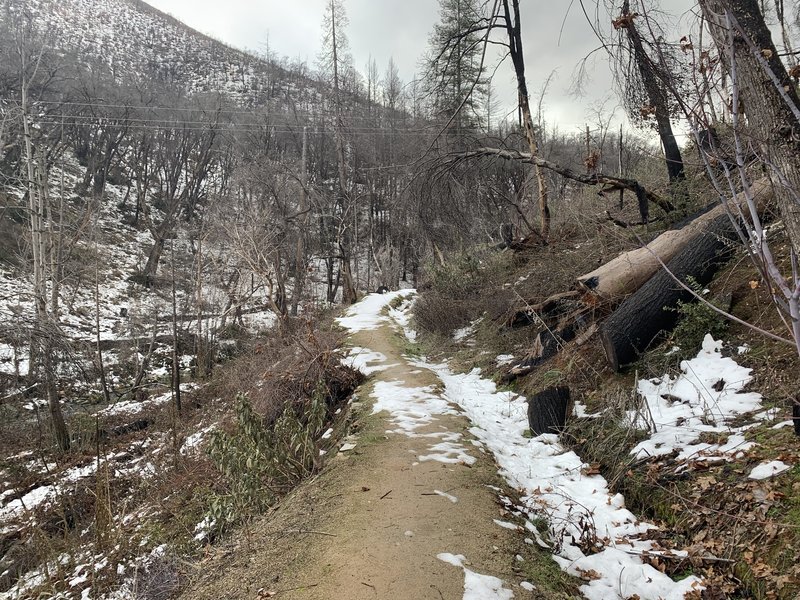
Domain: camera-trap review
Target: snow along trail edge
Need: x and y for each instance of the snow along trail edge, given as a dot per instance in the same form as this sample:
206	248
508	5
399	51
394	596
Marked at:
579	508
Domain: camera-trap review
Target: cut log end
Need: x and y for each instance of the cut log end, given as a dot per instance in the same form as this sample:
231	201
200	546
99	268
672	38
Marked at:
547	410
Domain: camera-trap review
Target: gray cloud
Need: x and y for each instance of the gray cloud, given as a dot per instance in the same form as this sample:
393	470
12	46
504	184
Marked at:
400	29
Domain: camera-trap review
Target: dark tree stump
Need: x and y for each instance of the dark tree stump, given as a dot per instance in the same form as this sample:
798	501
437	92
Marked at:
547	410
650	310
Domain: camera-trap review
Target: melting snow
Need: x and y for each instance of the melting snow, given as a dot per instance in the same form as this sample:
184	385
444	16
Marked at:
459	335
504	359
362	360
581	510
704	398
367	314
769	469
452	499
477	586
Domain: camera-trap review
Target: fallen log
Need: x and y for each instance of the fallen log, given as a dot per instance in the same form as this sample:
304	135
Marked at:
651	309
547	410
628	272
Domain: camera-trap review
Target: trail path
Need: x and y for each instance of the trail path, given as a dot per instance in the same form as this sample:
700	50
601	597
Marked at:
390	518
415	510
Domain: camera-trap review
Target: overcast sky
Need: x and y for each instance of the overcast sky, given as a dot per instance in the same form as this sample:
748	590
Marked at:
400	29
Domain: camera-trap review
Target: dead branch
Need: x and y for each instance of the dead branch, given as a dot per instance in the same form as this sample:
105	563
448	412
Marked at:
585	178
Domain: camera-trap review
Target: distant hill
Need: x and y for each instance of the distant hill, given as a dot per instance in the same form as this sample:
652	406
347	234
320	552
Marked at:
136	40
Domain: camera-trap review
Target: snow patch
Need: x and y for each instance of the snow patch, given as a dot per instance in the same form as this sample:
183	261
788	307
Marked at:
703	399
769	469
477	586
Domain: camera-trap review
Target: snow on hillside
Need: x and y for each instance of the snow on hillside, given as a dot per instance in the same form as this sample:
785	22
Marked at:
120	313
135	39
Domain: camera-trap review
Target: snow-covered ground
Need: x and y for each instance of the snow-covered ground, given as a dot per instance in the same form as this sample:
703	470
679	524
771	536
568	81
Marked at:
592	534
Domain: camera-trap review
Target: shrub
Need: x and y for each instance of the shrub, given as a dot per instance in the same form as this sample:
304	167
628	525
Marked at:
455	292
261	460
695	321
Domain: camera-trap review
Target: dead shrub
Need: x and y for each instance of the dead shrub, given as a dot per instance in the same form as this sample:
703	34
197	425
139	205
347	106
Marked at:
273	442
159	578
455	293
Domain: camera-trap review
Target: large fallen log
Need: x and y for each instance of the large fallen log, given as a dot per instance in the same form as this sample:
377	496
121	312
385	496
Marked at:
625	274
651	309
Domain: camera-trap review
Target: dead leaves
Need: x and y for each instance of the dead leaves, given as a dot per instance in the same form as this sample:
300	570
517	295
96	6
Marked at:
647	111
624	21
592	469
588	574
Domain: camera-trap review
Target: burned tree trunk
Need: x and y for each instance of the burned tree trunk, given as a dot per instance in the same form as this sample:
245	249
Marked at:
547	410
652	74
768	96
639	320
514	31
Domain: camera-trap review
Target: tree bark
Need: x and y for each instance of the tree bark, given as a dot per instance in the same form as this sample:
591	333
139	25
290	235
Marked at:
300	253
42	342
632	327
658	97
547	410
514	32
349	295
769	97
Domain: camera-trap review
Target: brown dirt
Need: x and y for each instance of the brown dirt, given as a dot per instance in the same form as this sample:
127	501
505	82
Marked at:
370	526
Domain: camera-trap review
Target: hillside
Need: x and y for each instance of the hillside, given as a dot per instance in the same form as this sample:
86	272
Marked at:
136	40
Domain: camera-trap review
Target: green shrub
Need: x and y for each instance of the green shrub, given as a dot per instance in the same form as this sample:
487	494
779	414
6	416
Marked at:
259	460
695	321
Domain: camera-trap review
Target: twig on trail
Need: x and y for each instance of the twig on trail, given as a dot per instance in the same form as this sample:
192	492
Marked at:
368	584
386	494
310	531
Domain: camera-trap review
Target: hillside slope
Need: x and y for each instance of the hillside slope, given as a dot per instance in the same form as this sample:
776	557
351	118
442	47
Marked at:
135	39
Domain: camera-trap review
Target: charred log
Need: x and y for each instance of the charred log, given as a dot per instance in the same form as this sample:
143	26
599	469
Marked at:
547	410
651	310
629	271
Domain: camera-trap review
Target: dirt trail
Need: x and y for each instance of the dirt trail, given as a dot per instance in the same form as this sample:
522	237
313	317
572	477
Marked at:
371	525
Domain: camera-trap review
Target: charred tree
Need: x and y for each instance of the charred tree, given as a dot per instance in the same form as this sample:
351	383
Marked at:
769	97
511	18
625	274
651	72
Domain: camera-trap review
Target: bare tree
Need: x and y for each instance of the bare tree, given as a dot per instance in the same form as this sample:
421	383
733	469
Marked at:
646	77
335	59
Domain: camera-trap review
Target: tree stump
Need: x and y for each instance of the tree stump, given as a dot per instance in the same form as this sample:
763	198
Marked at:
547	410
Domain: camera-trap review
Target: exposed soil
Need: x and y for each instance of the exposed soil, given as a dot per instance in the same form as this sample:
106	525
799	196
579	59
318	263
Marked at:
370	525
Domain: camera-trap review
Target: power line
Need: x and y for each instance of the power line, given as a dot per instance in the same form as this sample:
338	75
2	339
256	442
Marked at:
231	128
251	112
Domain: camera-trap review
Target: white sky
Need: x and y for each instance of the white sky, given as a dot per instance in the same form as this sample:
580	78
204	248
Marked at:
400	29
